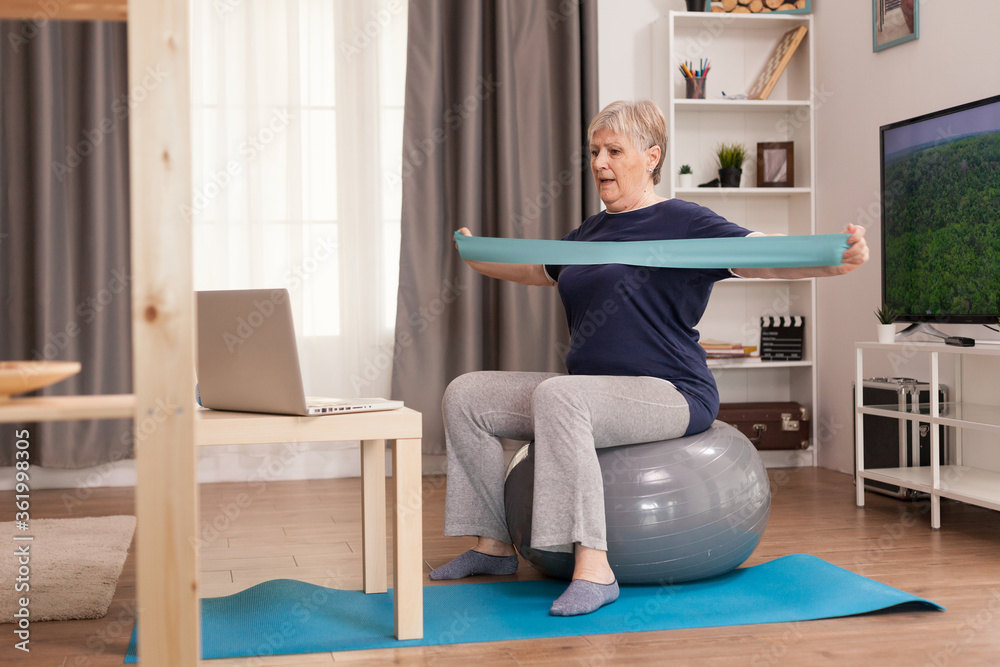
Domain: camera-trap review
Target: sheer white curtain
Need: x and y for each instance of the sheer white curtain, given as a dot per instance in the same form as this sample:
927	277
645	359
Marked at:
297	125
297	131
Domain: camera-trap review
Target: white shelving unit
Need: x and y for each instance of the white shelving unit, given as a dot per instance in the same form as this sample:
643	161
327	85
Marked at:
738	46
964	483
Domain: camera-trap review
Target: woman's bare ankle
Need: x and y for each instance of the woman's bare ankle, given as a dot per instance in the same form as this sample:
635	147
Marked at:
592	565
492	547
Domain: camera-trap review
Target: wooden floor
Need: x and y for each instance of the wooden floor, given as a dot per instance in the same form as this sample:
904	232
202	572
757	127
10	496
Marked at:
311	531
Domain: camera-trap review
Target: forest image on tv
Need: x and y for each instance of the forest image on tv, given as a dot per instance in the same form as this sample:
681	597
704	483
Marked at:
942	216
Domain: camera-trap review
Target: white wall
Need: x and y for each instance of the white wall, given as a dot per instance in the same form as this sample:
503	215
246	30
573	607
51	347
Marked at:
952	62
624	53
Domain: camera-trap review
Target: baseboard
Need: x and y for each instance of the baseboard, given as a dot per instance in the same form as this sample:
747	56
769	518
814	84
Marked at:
789	458
228	463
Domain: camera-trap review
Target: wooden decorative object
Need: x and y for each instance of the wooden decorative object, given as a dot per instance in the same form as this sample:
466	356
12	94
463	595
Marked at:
20	377
760	6
63	10
776	63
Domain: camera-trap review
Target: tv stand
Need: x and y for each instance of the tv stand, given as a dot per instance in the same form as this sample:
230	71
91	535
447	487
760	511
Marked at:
963	480
921	328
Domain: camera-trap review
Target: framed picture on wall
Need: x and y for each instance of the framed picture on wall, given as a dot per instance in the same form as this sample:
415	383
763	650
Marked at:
894	22
776	164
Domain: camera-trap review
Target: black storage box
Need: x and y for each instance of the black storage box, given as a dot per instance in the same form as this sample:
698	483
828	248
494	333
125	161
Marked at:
898	443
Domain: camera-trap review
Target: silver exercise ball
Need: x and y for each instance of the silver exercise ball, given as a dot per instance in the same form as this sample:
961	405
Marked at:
677	510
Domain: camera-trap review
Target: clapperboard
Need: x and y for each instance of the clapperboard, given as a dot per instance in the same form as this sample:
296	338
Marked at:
782	338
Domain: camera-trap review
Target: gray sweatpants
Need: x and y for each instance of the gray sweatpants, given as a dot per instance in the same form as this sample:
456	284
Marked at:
568	417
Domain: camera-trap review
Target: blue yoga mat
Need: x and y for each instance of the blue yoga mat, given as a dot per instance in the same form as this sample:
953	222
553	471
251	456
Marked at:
751	252
285	616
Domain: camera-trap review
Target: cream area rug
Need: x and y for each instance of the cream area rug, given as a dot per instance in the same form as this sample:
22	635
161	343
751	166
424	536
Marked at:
72	565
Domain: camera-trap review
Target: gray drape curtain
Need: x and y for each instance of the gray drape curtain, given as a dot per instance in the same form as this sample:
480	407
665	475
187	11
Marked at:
499	94
64	236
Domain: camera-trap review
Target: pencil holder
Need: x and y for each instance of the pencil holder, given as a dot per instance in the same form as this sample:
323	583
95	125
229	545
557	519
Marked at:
695	87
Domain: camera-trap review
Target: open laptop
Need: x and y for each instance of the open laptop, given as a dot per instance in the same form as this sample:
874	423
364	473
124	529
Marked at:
248	360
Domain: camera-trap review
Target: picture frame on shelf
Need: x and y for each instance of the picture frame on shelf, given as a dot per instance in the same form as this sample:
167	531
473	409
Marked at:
776	63
895	25
776	164
759	6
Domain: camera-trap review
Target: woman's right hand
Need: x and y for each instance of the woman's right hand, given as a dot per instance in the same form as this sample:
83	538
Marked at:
526	274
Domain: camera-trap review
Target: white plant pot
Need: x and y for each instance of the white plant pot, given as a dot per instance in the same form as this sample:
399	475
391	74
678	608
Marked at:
685	180
886	333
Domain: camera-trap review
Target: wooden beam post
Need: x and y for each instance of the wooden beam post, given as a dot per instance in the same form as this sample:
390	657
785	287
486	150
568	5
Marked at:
163	331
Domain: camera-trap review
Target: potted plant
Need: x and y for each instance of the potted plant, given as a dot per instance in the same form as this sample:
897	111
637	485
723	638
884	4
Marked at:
685	176
730	157
886	316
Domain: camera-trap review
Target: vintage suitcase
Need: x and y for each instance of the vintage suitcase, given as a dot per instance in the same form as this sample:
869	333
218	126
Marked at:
898	443
770	425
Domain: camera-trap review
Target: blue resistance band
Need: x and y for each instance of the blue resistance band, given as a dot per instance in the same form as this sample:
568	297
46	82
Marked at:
751	252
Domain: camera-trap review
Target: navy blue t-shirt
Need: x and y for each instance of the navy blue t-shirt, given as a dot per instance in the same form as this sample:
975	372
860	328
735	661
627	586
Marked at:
640	321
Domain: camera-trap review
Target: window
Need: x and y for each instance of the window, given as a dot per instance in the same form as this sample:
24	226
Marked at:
297	130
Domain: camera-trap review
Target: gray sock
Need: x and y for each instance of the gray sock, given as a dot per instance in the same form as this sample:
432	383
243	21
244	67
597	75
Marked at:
584	597
473	562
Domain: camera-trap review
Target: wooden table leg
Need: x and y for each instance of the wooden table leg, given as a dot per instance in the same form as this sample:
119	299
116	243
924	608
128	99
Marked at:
373	515
408	607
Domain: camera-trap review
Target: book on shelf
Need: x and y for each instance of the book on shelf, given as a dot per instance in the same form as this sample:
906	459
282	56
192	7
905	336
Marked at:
716	349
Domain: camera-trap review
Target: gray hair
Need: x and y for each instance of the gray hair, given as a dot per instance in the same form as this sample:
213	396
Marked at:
639	120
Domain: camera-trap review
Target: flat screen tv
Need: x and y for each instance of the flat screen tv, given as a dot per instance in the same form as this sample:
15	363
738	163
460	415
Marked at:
941	216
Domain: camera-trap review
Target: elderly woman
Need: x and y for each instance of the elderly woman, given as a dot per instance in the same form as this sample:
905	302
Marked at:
639	376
